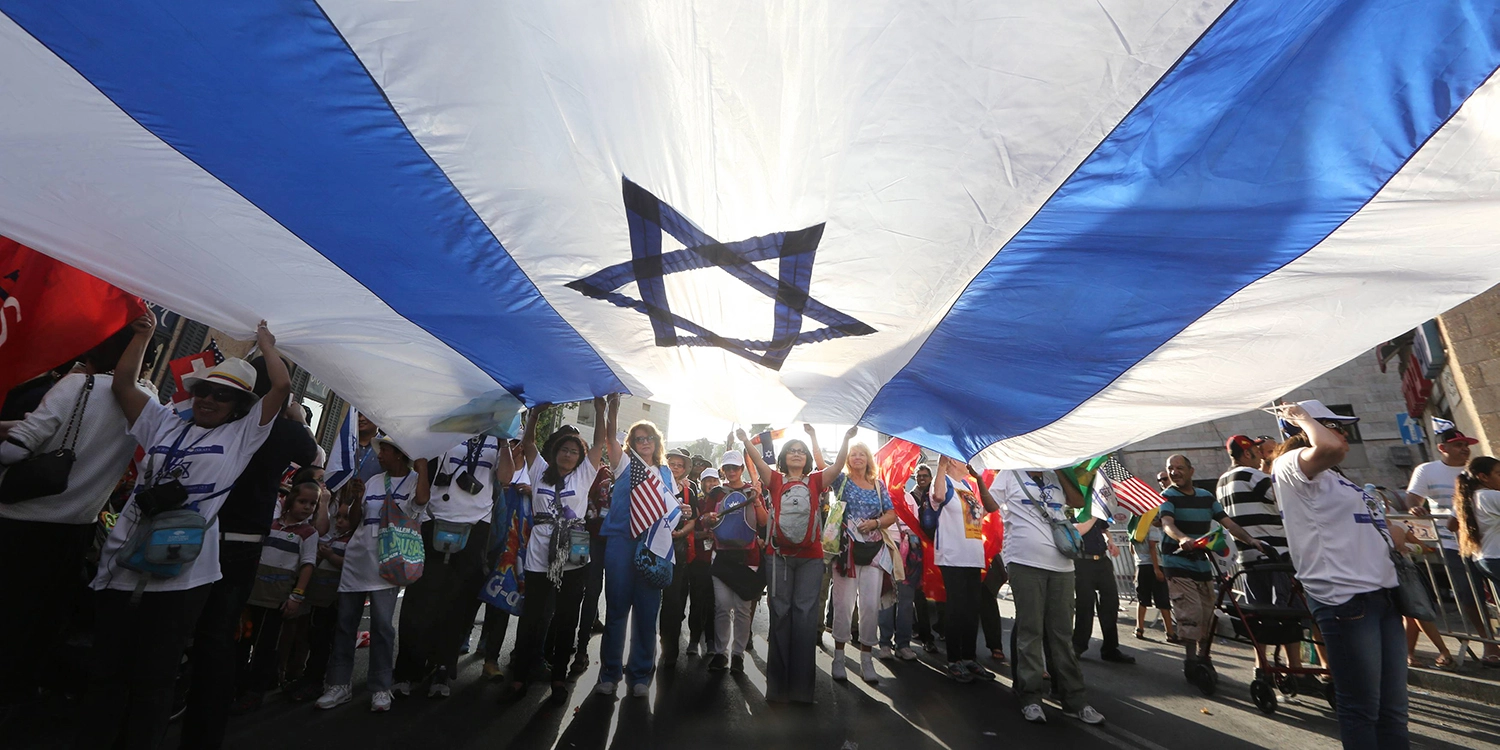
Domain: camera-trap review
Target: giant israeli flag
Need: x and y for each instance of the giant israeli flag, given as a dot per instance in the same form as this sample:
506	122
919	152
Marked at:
1024	231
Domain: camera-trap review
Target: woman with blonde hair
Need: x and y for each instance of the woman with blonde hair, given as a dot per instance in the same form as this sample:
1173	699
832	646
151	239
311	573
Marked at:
627	594
861	567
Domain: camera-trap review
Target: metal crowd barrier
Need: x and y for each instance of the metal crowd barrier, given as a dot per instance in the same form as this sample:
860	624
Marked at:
1467	611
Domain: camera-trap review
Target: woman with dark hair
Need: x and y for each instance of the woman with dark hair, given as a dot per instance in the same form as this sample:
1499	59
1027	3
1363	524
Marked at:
56	531
1341	546
144	619
628	595
794	556
557	552
1476	502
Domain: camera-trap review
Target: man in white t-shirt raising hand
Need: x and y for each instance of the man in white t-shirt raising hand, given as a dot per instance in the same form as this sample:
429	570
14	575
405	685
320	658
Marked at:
1430	493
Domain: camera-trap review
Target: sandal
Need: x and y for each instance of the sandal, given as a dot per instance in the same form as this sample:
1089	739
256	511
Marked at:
1415	662
1140	634
998	656
1445	662
1493	660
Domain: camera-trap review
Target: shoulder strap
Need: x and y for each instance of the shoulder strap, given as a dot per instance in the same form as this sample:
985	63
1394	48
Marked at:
75	420
1370	507
1041	507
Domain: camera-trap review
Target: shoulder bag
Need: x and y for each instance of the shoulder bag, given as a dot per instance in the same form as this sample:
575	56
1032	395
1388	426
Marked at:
1064	536
398	543
1410	595
46	474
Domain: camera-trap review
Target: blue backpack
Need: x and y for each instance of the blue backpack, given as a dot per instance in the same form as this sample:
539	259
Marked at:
736	528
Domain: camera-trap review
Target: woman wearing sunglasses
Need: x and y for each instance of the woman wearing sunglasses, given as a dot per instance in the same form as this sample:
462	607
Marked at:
794	556
1341	547
627	595
138	645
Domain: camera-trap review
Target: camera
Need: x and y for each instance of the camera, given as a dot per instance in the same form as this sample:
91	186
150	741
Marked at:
442	479
162	497
469	484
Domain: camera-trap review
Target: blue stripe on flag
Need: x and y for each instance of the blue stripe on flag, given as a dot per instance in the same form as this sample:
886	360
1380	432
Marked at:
269	98
1279	124
341	466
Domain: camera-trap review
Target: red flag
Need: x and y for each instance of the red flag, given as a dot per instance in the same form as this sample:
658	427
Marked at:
895	461
51	312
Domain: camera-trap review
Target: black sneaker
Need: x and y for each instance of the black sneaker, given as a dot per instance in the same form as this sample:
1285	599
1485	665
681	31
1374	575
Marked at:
737	664
718	663
1118	657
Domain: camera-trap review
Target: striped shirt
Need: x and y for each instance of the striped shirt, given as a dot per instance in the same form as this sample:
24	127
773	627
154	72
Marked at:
1249	497
1194	515
287	548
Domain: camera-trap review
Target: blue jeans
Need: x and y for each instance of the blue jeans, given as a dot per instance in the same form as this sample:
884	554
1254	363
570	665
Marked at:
1366	644
382	638
627	596
896	620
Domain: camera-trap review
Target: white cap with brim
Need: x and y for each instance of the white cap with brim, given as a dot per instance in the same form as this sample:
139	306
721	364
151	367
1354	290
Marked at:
232	373
708	474
1318	411
732	458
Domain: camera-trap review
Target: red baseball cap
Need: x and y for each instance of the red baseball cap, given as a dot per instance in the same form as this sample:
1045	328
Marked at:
1245	443
1454	436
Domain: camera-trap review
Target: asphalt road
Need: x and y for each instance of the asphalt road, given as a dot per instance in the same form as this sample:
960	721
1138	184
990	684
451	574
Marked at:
1148	705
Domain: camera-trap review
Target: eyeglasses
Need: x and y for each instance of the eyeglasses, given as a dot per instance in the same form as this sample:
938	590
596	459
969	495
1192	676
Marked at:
642	439
790	451
1335	426
218	393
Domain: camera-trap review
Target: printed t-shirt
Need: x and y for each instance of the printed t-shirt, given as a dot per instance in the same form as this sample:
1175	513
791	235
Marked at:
617	522
960	534
1195	515
451	503
1028	536
1487	513
861	504
808	490
572	500
1434	480
283	553
1333	531
1143	549
206	461
361	568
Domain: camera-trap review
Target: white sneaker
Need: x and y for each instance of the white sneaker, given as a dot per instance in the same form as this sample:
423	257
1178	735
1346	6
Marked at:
838	665
1087	715
401	689
439	689
906	654
640	690
335	695
605	688
867	667
1033	713
380	701
884	652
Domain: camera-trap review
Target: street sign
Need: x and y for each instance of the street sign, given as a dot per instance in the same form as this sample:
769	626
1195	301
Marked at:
1411	429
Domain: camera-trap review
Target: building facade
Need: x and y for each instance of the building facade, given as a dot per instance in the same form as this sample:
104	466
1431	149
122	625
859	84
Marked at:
1360	387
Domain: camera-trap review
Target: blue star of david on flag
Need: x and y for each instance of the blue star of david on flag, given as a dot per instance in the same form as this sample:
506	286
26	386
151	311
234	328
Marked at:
649	217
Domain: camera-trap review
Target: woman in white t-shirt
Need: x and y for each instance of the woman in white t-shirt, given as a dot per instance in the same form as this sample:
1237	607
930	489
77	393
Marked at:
190	465
959	555
1476	501
557	553
1336	533
404	484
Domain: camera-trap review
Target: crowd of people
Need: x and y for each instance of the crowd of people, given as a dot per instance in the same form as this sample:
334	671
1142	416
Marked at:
231	546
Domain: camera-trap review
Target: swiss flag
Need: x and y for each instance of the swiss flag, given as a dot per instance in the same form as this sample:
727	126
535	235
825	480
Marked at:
51	312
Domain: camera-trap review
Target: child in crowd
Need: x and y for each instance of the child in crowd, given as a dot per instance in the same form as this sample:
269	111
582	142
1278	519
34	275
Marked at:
286	567
323	593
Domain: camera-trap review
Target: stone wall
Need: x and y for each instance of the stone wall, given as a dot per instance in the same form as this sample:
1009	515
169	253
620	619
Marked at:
1472	334
1374	396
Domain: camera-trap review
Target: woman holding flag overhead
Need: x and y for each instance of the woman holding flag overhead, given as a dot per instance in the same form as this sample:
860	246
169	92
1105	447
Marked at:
558	549
640	506
794	554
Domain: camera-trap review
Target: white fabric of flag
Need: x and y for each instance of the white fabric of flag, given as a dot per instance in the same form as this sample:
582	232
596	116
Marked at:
1024	235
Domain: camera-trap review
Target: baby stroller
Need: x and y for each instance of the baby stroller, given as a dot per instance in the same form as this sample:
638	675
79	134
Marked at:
1281	626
